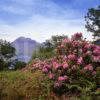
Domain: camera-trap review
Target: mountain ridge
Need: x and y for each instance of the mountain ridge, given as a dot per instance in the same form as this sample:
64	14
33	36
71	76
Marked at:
24	48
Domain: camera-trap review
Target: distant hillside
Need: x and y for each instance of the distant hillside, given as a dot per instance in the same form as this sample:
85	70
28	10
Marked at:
24	48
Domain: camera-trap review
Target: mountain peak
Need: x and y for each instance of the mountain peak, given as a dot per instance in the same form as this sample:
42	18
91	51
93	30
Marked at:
24	48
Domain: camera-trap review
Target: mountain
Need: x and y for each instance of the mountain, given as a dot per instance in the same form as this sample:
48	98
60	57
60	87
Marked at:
25	48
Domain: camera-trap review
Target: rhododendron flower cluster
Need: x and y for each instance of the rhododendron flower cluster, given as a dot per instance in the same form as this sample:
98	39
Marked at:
74	55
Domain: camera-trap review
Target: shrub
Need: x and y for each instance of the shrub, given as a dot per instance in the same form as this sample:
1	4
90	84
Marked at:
73	69
19	65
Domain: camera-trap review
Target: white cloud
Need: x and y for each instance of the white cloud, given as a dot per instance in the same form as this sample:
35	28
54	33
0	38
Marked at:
42	29
46	19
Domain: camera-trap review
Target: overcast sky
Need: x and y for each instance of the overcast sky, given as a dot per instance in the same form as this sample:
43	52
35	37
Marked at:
40	19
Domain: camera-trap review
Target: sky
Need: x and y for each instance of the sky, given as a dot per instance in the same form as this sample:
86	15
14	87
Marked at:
40	19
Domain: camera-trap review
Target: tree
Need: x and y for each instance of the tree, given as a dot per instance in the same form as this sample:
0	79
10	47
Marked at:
93	21
19	65
47	50
6	53
55	40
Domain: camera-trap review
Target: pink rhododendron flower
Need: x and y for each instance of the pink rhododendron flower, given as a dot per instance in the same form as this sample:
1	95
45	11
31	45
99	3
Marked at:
45	70
51	75
62	78
62	46
80	60
56	65
77	36
76	43
96	52
65	41
96	58
88	67
74	67
88	52
72	57
65	65
66	77
94	73
56	84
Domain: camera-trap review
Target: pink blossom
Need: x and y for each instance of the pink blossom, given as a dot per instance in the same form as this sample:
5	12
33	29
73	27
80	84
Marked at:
96	52
62	46
56	84
65	65
87	46
88	53
49	66
72	57
56	65
45	70
88	67
66	40
76	43
66	77
74	67
80	60
94	73
77	36
96	58
51	75
62	78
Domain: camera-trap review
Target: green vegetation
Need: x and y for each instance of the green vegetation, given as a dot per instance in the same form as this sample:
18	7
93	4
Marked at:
18	85
93	21
19	65
6	53
47	50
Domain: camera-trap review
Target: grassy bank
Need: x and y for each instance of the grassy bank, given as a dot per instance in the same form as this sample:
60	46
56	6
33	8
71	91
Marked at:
17	85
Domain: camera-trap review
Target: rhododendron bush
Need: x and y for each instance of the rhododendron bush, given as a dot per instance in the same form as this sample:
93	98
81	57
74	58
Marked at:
74	67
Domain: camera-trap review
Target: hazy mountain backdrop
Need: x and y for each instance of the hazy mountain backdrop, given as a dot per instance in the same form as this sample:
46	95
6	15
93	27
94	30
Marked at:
25	48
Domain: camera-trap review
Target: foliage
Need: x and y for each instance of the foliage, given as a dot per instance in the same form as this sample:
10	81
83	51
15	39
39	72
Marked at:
18	85
19	65
47	50
6	54
43	53
93	21
73	69
55	40
6	50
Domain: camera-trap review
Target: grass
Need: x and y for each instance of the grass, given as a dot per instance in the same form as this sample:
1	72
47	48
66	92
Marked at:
17	85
